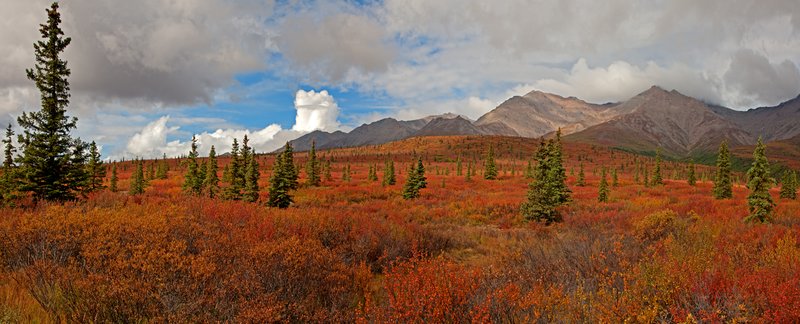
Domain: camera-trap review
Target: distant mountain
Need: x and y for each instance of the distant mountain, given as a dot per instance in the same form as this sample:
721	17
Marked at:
678	124
537	113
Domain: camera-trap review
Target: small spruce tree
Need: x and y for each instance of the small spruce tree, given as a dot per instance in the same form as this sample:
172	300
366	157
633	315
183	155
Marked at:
614	179
283	179
137	181
581	176
789	185
415	181
759	199
603	190
96	170
723	185
657	180
192	184
691	178
251	189
233	177
112	183
211	180
490	171
312	167
389	178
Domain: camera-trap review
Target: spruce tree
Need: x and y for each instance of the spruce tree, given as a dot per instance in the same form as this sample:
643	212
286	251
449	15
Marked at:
459	167
96	170
581	176
161	171
548	191
346	173
251	189
192	184
691	178
603	190
490	171
529	174
415	181
283	179
151	170
112	184
327	170
760	181
373	173
233	177
657	180
614	179
723	187
789	185
211	180
312	167
137	181
468	175
52	163
9	179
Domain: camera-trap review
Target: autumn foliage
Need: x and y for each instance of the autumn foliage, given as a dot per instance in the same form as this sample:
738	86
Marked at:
356	251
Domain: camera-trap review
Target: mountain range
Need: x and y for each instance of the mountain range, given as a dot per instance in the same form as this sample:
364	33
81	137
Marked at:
656	118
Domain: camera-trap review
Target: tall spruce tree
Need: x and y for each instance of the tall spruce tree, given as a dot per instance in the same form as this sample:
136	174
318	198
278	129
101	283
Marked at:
415	181
112	183
691	178
233	177
548	191
657	180
51	165
96	170
490	171
723	185
192	183
251	188
211	181
789	185
312	167
760	181
283	179
137	181
8	183
602	190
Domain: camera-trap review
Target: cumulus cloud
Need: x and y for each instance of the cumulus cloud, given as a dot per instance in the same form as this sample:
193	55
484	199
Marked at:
622	80
754	79
331	47
315	111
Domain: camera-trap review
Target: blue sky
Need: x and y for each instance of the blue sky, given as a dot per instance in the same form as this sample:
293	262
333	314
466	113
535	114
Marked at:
149	74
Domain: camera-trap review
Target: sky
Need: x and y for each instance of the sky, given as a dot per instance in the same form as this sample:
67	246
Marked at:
148	75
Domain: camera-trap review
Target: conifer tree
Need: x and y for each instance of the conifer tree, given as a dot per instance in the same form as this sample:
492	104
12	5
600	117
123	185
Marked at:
151	171
161	171
346	173
373	173
112	184
723	187
96	170
529	174
691	178
657	180
251	189
327	170
603	188
468	176
581	176
9	179
192	184
548	191
211	180
52	164
645	177
459	167
760	181
233	177
789	185
283	179
614	179
312	167
137	182
490	171
415	181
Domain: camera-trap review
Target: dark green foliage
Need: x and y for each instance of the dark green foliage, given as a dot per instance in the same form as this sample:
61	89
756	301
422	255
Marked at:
192	183
389	178
346	173
723	185
373	173
327	170
691	178
52	163
283	179
657	180
581	176
251	188
312	167
468	175
614	179
233	175
490	171
415	181
549	190
137	181
161	171
211	180
529	174
96	170
603	190
760	181
789	185
112	184
459	167
8	183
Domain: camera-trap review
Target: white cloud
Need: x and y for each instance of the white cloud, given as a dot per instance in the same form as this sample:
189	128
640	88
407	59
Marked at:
315	111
